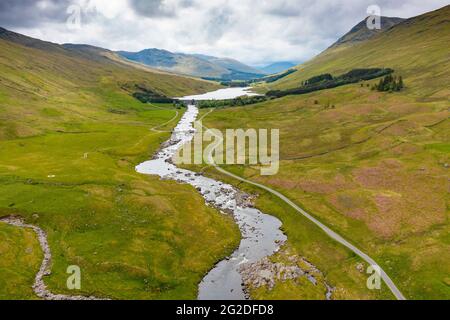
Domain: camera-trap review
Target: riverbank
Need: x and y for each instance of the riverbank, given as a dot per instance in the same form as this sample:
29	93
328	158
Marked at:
133	236
260	233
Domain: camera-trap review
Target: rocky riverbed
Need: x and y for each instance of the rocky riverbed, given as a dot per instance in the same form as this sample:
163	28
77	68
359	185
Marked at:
267	273
261	234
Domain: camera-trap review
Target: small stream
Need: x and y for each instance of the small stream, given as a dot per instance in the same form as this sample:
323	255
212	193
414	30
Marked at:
261	235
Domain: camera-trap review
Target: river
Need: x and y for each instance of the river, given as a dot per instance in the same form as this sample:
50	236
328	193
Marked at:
261	234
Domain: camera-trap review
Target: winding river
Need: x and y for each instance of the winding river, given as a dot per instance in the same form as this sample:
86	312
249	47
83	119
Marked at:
261	234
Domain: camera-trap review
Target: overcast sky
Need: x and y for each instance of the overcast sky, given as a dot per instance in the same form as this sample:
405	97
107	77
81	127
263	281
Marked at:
253	31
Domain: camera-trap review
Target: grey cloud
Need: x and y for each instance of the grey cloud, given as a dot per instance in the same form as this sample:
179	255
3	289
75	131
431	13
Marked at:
250	30
220	20
158	8
284	8
28	13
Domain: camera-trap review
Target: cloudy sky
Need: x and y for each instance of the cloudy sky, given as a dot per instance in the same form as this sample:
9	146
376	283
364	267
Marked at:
253	31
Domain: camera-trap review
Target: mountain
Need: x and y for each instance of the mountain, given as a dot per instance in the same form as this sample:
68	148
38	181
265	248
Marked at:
277	67
360	32
415	48
175	62
35	74
231	64
359	160
196	65
71	134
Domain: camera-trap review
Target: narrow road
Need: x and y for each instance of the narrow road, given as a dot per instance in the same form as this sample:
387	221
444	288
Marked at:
388	281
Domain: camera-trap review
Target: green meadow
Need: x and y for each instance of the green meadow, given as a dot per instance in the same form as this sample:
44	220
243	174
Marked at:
71	135
21	258
373	166
362	169
133	236
416	48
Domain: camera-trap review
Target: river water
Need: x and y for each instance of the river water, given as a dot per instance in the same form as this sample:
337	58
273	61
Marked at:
228	93
261	235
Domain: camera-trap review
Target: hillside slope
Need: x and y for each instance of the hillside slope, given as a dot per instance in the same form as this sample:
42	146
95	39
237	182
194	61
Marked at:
71	135
416	48
35	74
373	166
360	32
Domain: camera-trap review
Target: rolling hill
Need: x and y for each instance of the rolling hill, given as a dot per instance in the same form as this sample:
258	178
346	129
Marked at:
373	166
415	48
41	73
196	65
71	135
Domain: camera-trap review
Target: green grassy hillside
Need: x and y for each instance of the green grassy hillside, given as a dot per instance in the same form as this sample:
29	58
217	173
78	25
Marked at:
21	258
70	137
360	32
371	165
52	85
416	48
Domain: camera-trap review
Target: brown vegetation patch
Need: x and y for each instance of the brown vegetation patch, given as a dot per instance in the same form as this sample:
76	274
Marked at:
320	185
406	149
407	200
363	109
351	205
334	115
283	183
374	97
401	128
388	218
404	108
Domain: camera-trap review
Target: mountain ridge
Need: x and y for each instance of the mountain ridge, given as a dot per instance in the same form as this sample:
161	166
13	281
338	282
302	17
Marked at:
54	72
277	67
197	65
420	39
360	32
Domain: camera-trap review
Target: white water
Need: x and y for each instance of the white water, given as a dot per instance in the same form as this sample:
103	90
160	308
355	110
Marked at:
222	94
261	233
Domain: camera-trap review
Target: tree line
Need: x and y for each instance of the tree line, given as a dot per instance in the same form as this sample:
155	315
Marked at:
240	101
327	81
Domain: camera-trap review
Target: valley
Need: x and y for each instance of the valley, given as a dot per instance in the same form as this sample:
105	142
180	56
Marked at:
67	166
89	179
372	166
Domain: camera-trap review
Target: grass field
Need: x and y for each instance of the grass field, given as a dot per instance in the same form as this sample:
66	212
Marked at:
21	258
416	48
372	166
70	137
362	168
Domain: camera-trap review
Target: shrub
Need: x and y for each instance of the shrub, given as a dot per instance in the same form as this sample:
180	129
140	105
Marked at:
390	83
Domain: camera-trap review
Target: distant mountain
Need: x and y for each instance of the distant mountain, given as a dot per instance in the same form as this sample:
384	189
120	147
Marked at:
196	65
39	75
230	64
360	32
277	67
